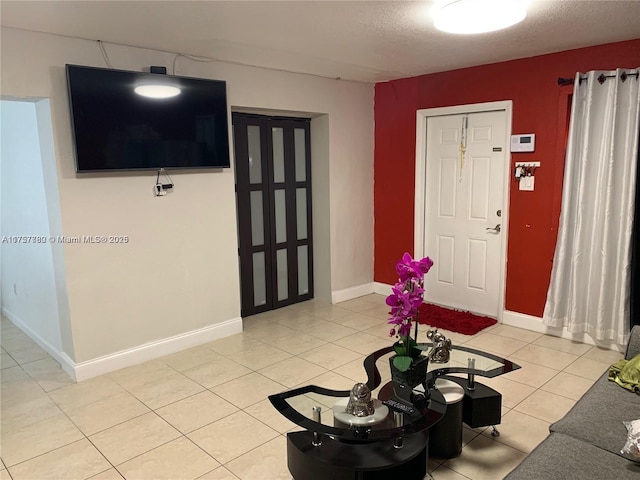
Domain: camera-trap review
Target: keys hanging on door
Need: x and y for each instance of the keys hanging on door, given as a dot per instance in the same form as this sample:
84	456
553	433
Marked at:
463	144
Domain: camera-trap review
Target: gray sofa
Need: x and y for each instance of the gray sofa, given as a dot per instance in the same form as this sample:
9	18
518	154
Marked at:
586	443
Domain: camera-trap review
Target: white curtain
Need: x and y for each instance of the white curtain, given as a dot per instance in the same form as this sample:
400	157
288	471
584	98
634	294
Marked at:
590	280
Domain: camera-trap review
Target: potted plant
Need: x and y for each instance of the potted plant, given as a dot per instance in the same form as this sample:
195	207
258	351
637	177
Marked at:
408	365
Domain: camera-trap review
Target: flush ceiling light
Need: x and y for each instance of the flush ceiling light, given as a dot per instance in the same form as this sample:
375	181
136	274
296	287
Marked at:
478	16
157	91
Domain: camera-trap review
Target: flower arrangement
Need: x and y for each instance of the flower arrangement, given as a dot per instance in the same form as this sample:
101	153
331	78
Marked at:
407	296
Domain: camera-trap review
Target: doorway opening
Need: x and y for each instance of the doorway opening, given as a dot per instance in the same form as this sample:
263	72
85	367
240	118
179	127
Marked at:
34	290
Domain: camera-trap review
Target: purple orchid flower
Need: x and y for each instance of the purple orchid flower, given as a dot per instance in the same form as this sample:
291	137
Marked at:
405	299
401	322
404	330
404	267
401	301
408	268
424	265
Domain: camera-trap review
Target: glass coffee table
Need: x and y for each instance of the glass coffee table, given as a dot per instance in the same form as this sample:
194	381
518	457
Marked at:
392	442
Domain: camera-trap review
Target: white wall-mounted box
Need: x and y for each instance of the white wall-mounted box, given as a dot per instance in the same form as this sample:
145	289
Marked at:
524	142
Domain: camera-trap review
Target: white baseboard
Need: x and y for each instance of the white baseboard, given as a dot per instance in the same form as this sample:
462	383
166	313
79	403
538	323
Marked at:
529	322
132	356
62	358
351	293
382	288
152	350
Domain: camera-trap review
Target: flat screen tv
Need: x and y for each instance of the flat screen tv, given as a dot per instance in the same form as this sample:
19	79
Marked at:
114	128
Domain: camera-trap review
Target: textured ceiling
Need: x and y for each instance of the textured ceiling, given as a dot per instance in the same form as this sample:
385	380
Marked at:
354	40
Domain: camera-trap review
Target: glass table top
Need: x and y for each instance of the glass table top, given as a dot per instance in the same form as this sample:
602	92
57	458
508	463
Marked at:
485	364
297	405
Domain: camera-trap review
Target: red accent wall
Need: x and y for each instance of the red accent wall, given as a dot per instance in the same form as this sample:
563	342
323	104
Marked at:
540	106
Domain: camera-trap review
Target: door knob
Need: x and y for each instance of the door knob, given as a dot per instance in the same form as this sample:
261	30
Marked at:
495	229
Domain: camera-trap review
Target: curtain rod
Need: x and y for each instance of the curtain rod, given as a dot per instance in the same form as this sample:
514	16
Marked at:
601	78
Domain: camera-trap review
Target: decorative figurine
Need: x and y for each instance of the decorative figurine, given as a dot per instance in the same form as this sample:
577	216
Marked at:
360	402
440	352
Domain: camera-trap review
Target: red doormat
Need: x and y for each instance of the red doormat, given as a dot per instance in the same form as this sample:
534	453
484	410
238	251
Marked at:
458	321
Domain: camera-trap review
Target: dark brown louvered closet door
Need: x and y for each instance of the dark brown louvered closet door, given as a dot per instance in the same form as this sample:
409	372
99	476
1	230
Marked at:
273	198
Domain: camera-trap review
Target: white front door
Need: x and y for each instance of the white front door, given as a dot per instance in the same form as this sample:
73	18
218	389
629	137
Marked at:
463	226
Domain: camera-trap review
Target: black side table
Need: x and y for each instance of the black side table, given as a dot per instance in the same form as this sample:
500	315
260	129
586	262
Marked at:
481	407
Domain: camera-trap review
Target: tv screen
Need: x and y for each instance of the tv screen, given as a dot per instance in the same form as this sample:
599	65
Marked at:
115	128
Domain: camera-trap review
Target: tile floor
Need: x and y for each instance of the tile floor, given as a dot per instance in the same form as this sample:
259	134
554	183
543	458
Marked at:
204	414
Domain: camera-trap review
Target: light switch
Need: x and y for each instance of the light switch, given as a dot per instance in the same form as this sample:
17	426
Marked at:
527	183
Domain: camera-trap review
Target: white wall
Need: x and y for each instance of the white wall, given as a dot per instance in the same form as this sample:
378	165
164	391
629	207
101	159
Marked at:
29	294
50	176
179	271
320	201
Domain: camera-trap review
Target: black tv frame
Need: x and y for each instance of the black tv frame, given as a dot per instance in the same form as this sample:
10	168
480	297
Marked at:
222	141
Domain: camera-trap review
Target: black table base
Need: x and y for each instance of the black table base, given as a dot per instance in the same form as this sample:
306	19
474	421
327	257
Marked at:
482	406
339	460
